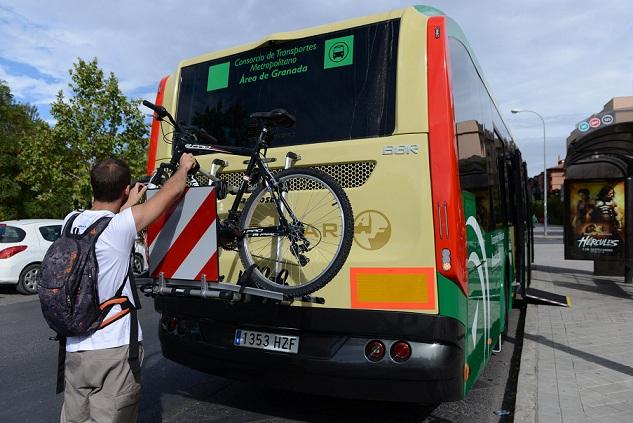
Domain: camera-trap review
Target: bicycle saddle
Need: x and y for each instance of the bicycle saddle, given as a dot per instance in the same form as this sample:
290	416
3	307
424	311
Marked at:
276	117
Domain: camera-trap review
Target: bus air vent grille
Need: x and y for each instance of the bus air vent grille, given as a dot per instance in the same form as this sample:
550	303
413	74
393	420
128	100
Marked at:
348	175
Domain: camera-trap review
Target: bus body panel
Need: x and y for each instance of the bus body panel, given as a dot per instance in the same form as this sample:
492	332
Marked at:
331	357
388	180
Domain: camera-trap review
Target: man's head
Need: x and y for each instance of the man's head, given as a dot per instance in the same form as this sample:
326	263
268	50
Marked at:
110	180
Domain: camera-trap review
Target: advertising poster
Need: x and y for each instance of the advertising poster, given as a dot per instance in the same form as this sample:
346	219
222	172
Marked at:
595	219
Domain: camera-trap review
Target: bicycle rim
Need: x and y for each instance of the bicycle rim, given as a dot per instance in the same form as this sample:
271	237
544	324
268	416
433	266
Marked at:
318	208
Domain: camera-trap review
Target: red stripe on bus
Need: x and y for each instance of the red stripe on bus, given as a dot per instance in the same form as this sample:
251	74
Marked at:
210	269
190	235
450	224
153	139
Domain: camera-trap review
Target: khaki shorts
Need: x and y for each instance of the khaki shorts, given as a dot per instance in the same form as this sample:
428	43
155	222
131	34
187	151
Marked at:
100	387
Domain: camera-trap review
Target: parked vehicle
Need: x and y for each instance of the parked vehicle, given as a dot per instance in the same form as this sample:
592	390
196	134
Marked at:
139	265
23	244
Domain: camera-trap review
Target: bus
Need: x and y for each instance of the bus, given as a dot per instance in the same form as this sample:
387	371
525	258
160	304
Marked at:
394	106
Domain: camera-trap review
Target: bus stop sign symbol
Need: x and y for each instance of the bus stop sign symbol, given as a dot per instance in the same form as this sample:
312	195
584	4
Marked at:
339	52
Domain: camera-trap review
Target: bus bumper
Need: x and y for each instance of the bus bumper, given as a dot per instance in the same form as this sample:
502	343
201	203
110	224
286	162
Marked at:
331	359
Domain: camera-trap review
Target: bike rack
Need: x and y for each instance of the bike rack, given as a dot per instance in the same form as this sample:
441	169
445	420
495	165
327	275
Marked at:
291	159
218	166
224	291
233	292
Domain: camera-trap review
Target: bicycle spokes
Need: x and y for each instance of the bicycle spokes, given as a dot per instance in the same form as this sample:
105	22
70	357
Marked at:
311	213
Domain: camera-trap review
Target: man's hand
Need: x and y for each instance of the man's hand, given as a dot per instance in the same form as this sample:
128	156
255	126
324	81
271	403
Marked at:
136	193
146	213
187	161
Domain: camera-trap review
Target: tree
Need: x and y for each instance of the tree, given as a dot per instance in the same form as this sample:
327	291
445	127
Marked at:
96	122
18	122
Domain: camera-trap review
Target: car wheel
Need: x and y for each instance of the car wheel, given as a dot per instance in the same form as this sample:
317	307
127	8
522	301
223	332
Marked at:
138	264
27	284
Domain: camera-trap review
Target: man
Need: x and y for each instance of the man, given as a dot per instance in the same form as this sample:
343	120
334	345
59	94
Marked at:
99	382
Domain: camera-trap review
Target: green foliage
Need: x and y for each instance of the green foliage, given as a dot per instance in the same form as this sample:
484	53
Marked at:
18	122
554	209
96	122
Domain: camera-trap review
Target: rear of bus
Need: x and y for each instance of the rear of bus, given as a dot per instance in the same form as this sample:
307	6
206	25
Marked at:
371	114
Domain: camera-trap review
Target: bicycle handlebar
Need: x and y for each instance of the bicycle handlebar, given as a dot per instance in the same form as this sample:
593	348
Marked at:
160	111
186	137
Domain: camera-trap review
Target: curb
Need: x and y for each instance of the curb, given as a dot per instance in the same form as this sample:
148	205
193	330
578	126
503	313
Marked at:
527	388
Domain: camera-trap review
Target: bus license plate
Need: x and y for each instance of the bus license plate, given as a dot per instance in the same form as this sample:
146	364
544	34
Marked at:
266	341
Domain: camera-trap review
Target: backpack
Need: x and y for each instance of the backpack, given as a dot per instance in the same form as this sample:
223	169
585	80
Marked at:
69	295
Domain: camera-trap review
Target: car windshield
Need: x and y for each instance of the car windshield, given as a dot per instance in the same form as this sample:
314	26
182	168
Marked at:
9	234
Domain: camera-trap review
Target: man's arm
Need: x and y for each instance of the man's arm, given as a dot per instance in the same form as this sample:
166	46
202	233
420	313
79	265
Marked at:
146	213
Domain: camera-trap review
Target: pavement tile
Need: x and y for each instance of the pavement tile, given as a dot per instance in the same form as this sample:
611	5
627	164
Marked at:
614	387
623	397
583	355
549	414
600	410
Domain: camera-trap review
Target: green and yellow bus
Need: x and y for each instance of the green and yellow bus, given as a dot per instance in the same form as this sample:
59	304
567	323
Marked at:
395	107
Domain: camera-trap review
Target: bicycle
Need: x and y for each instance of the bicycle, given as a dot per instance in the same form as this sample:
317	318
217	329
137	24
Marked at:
287	216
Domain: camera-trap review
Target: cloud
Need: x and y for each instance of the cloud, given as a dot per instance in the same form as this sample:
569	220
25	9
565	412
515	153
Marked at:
564	59
34	90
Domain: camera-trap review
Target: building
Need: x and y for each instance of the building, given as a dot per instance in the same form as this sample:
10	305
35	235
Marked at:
556	177
555	180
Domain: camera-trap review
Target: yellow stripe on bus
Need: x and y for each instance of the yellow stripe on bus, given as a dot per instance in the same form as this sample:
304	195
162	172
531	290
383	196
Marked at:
393	288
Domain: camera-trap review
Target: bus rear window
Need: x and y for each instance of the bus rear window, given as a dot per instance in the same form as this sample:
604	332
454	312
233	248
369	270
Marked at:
340	86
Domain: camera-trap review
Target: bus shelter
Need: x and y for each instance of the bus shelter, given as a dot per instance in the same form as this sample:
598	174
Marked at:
598	188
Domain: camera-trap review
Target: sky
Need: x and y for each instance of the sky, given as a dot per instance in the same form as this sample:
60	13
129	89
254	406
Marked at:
561	59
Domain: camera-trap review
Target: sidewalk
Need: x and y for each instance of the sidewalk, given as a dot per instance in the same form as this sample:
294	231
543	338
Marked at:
576	364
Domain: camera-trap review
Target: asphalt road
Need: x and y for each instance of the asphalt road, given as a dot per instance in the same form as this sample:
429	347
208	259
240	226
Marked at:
173	393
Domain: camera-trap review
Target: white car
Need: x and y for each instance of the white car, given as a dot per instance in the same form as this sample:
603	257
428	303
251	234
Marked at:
23	244
139	264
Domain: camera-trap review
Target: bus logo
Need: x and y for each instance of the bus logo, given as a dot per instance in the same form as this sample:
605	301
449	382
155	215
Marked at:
607	119
339	52
583	126
372	230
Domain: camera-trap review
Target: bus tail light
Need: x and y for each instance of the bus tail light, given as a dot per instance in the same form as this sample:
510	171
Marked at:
448	208
155	134
400	351
11	251
375	350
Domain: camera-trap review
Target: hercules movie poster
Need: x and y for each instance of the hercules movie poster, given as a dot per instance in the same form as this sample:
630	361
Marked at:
595	219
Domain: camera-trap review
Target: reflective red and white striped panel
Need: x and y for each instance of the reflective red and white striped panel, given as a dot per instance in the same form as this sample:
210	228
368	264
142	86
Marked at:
183	240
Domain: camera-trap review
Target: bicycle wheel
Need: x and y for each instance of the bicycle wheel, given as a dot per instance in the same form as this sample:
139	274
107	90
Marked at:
324	227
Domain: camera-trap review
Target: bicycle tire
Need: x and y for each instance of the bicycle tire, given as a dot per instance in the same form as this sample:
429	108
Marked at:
333	220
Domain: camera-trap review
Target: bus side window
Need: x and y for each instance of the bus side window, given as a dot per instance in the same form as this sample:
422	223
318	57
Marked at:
473	126
473	169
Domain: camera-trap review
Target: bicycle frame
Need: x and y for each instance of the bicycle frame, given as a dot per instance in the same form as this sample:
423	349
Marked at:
250	176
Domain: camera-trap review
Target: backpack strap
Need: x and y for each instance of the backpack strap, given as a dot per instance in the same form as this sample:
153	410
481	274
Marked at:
61	356
61	364
69	225
127	307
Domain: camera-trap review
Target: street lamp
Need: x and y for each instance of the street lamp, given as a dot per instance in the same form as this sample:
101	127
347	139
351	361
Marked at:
544	168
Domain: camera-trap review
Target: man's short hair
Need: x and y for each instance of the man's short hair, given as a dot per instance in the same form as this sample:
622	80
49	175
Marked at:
109	179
